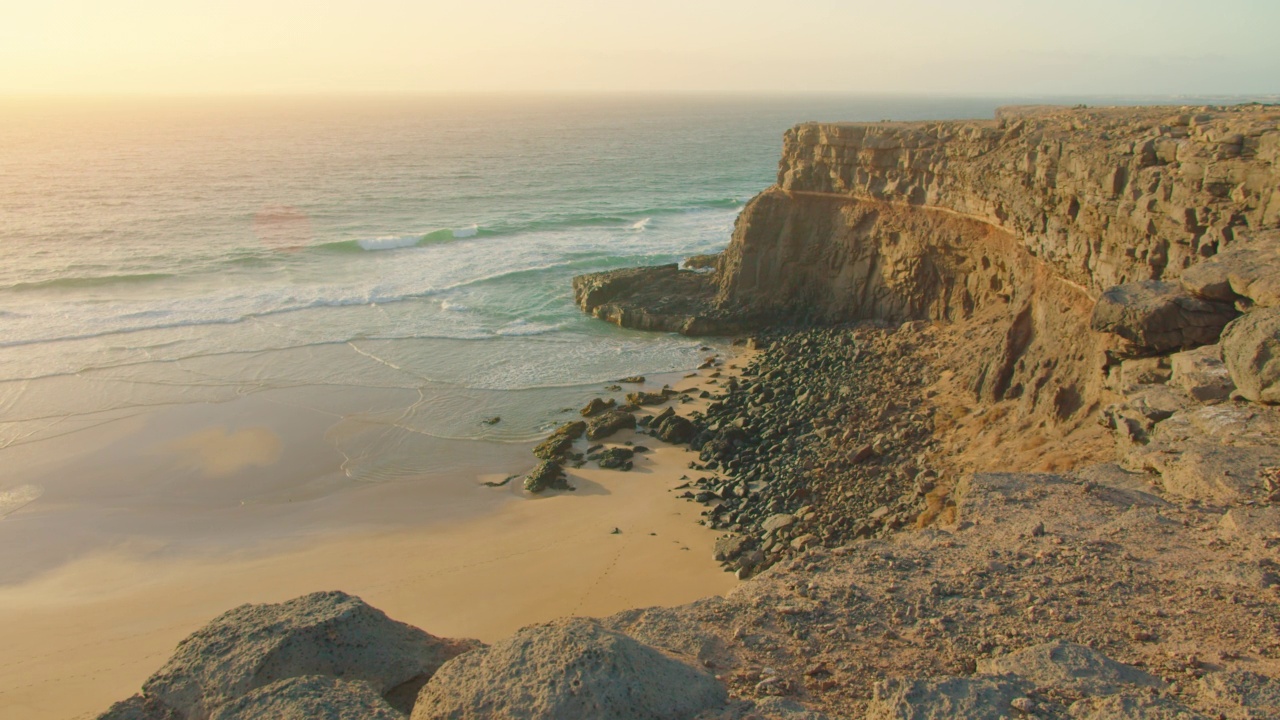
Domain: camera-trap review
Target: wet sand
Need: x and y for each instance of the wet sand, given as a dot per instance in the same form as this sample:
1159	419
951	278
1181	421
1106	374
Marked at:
482	563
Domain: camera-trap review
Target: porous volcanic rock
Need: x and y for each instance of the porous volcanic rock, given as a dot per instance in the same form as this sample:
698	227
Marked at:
570	669
324	633
310	697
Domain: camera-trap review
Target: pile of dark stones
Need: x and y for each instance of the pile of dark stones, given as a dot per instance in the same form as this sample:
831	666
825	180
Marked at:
819	442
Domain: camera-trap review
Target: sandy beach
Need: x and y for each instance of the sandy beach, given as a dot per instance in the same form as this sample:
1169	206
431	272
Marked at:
483	562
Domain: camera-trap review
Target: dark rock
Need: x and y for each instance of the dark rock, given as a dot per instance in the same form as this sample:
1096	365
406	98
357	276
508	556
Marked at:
676	430
1251	351
558	444
548	475
597	406
663	298
635	379
640	399
615	458
492	420
324	633
602	426
1158	316
570	669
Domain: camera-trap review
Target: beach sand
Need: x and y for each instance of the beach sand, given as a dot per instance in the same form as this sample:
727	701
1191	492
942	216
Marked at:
485	562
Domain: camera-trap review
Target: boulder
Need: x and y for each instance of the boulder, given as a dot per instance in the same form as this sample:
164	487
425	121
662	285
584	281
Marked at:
602	426
616	458
569	669
597	406
310	697
548	475
139	707
1158	316
1202	374
1067	666
949	698
558	444
676	430
1251	351
324	633
1250	271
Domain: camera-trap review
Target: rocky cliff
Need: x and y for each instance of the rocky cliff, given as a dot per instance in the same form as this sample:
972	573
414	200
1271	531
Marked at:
1024	220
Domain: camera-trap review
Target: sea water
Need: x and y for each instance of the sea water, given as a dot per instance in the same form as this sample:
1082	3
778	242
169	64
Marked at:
401	266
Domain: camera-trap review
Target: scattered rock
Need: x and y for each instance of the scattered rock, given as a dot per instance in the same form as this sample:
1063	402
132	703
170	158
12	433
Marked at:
324	633
570	669
548	475
1251	351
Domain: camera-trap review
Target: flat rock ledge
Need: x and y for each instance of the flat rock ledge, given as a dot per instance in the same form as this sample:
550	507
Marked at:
661	297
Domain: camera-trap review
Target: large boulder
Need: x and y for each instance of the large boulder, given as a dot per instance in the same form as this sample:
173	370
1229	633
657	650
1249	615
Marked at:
602	426
1158	316
1067	666
310	697
1251	351
324	633
558	444
570	669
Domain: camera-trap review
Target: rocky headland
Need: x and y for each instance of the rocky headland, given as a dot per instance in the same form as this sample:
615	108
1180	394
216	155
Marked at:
1003	443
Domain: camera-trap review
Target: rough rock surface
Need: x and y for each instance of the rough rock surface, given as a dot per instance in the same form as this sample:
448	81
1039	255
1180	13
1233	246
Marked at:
1160	316
604	425
570	669
310	697
326	633
558	444
1251	351
1201	374
1246	273
547	475
139	707
1065	665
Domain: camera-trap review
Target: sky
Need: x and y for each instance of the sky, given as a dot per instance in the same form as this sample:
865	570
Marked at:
975	47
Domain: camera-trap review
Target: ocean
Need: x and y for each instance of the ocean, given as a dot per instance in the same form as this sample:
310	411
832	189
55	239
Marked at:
396	270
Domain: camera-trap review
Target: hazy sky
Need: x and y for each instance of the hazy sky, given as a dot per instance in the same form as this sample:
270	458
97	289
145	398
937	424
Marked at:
951	46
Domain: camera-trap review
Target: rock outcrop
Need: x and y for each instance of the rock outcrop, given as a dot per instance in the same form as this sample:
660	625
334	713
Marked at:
572	669
329	634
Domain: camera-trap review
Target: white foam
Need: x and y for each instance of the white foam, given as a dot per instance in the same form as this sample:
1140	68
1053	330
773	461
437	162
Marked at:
641	225
13	500
389	242
466	232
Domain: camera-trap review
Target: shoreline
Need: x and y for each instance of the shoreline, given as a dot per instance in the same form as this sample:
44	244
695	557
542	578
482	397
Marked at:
486	562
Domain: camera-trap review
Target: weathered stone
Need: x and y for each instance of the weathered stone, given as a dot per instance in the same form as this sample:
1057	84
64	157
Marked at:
1160	316
1132	707
614	458
602	426
1202	374
729	547
141	708
310	697
548	475
571	669
324	633
597	406
1251	351
559	443
1071	667
676	430
777	522
1144	371
946	699
1249	270
1259	693
640	399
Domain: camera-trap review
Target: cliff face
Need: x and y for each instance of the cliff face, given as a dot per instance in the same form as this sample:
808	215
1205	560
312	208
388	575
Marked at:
1023	220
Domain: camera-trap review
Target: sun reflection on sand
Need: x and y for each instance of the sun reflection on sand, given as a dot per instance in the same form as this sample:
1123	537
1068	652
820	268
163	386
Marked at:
218	452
